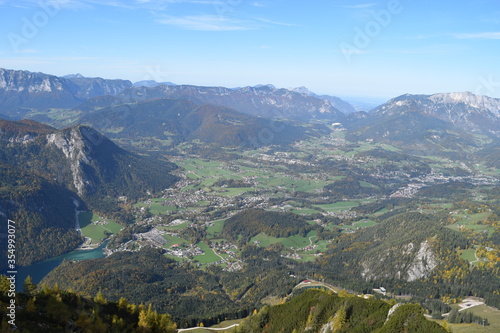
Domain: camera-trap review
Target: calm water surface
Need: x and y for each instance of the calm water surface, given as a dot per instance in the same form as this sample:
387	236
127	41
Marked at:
38	270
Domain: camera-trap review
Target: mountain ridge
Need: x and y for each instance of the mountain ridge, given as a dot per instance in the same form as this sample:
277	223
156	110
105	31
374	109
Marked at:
263	101
180	120
21	91
478	114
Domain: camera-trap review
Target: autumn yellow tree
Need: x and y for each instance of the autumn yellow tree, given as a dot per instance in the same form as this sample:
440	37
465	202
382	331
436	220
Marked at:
339	319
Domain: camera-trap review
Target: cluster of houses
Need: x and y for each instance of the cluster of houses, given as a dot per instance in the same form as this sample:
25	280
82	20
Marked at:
185	252
233	266
100	222
343	214
408	191
292	255
281	158
309	247
225	247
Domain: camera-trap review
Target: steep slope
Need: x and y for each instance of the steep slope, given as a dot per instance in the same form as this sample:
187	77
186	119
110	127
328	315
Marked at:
181	120
490	154
318	311
408	247
55	310
413	131
98	166
264	101
82	160
479	114
43	212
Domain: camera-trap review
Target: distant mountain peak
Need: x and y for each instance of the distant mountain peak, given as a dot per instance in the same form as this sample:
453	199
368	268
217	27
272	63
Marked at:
152	83
302	90
270	86
74	76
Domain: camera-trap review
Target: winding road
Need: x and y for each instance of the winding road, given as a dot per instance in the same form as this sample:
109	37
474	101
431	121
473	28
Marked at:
208	328
312	283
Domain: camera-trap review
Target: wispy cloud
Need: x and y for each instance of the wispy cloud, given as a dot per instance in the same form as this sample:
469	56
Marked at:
479	35
158	8
206	23
275	22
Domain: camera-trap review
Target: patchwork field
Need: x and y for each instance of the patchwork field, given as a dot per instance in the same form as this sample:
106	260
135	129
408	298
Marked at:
97	228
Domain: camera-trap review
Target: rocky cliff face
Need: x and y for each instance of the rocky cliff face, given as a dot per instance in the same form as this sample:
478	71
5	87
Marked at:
423	263
419	262
21	91
76	146
24	81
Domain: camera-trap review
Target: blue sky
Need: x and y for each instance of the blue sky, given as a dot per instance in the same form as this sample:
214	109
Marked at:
338	47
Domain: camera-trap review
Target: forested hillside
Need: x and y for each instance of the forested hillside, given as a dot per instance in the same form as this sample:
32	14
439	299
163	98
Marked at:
43	212
249	223
319	311
49	310
188	294
166	122
408	246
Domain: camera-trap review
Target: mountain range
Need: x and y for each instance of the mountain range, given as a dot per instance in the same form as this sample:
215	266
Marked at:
435	123
22	92
27	94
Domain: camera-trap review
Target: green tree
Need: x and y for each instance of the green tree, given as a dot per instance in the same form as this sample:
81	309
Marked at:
143	324
31	306
4	284
339	319
29	287
100	299
123	303
453	317
446	327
